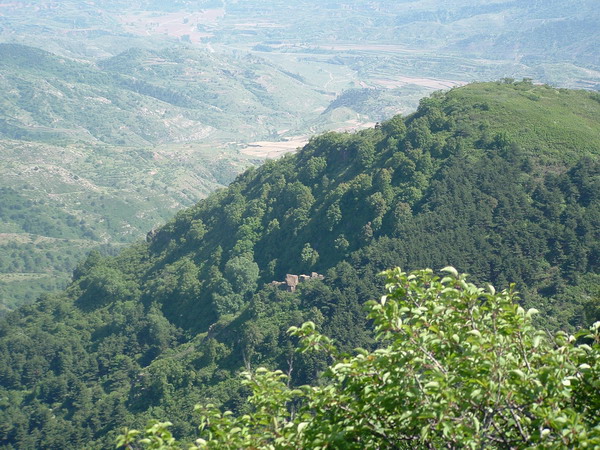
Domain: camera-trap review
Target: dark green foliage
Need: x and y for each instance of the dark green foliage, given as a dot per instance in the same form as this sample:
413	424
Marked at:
481	178
19	214
455	366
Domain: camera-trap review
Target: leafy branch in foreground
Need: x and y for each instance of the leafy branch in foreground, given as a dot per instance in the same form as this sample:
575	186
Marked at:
457	366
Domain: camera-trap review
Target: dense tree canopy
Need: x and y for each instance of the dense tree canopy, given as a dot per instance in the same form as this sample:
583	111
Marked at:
456	366
500	180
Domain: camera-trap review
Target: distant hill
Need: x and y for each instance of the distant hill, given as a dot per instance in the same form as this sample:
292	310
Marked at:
500	180
550	31
143	97
113	149
458	40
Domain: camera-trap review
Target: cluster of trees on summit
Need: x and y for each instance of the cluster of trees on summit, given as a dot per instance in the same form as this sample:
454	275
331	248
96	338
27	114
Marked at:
481	178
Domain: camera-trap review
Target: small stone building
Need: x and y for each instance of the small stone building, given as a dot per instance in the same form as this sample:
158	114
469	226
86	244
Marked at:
292	281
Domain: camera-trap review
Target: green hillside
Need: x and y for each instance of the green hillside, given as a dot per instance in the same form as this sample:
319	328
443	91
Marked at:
108	151
168	87
500	180
68	199
143	97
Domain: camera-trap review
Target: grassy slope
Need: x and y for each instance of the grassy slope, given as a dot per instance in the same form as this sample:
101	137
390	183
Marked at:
563	123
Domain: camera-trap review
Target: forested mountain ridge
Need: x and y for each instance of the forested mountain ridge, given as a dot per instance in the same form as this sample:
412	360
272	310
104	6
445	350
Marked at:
113	148
501	180
143	106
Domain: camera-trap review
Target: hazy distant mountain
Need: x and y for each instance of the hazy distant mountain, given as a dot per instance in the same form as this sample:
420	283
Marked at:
526	36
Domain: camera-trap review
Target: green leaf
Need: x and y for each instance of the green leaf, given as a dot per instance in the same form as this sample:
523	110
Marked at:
518	372
451	270
476	393
475	333
302	426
